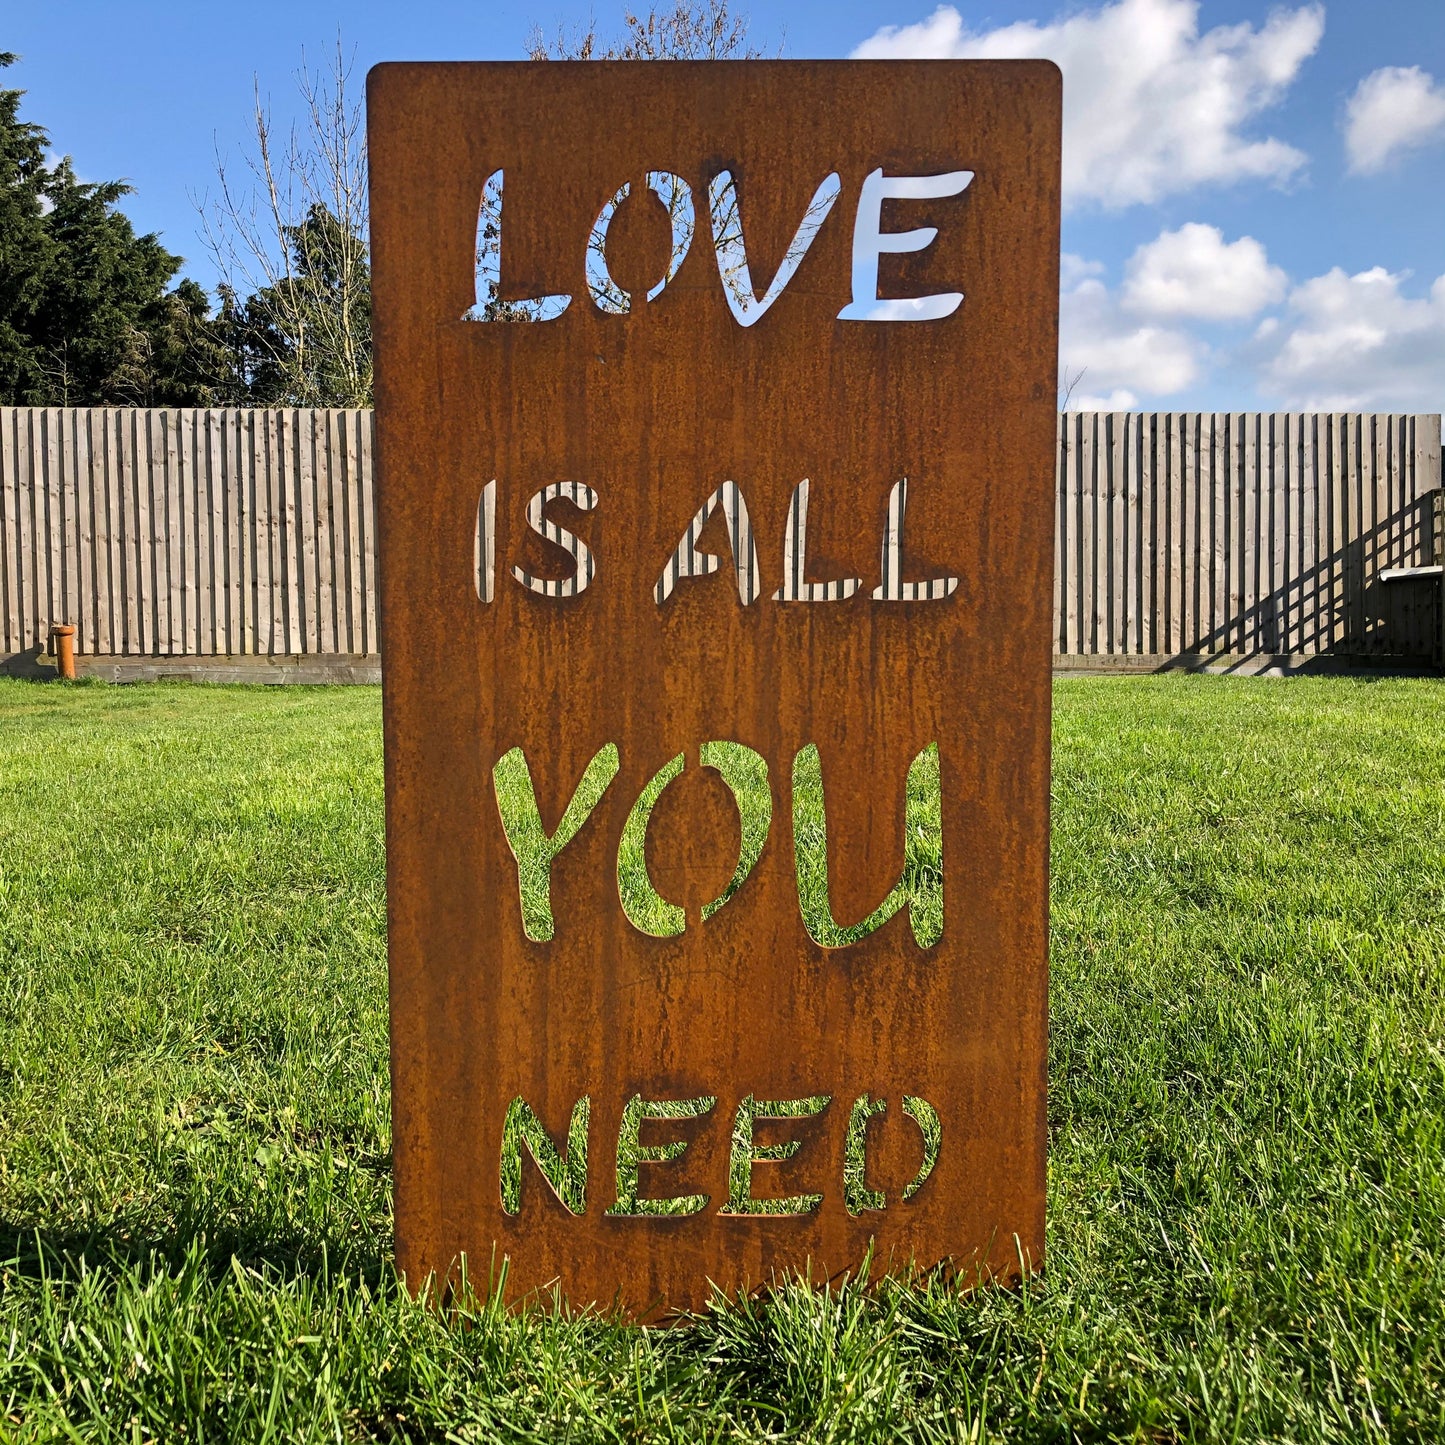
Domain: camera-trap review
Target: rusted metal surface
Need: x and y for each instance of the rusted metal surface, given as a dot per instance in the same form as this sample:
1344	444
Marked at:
655	410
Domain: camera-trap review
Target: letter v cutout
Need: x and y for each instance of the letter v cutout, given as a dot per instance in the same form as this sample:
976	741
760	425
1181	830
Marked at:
732	251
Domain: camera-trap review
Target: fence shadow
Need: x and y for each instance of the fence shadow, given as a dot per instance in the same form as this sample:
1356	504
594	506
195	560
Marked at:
1336	614
29	664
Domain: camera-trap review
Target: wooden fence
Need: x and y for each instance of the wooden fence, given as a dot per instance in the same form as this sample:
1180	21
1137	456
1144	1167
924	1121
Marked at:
1178	535
187	533
1189	534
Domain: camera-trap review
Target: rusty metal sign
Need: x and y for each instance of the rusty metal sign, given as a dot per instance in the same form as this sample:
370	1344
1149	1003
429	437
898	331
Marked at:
715	411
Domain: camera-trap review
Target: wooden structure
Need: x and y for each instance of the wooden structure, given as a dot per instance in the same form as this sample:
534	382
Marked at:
1185	536
1180	537
188	533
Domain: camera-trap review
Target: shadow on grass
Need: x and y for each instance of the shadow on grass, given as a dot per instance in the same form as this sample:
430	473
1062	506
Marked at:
214	1243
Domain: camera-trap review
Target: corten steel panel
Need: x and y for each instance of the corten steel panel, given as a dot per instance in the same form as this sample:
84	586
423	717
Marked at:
654	410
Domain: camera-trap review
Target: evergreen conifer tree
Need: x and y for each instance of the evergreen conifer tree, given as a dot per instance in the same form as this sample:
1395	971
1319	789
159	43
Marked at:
85	314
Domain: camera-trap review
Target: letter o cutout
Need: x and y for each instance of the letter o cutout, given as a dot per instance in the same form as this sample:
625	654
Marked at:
746	774
676	195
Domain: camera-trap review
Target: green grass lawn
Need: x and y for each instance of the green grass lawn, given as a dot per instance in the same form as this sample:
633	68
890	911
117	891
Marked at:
1247	1172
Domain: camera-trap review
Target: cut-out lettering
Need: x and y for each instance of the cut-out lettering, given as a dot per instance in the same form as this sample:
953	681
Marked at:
631	1152
746	773
485	549
920	885
732	251
606	294
566	1174
745	1153
870	241
676	195
564	1164
857	1196
893	588
584	563
688	561
795	587
931	1126
646	909
527	838
485	305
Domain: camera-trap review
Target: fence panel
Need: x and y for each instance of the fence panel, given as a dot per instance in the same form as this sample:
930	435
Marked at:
230	531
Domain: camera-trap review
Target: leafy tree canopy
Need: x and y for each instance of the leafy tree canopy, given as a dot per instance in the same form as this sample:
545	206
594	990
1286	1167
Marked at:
85	314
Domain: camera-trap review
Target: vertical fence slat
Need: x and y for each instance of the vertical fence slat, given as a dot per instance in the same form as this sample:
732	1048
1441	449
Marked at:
1168	442
1089	527
48	519
150	488
81	597
107	534
1115	557
210	532
310	581
1357	466
178	481
333	606
300	581
1378	555
1307	488
32	514
1143	453
1064	555
66	521
1342	536
26	524
1228	433
283	498
337	534
1196	469
233	524
1244	572
250	493
235	450
141	535
163	488
127	585
193	512
9	601
1070	504
258	552
1195	518
1278	528
364	427
355	530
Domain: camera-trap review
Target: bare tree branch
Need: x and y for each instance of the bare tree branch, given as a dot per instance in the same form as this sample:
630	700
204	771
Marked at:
290	236
1067	385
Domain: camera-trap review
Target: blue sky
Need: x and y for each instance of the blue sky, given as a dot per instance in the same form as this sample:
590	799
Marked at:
1255	195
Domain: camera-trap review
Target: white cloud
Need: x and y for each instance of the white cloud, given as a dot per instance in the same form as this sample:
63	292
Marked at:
1194	272
1073	269
1151	106
1392	110
1356	343
1119	355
